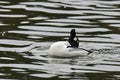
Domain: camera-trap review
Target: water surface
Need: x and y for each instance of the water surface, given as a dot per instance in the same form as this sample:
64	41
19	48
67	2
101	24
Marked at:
29	27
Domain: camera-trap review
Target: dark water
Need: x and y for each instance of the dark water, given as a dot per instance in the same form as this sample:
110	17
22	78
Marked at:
29	27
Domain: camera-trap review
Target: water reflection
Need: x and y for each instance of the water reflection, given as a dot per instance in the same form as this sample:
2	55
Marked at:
28	28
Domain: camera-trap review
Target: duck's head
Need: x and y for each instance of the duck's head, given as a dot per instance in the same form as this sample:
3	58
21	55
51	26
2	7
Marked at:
73	40
73	35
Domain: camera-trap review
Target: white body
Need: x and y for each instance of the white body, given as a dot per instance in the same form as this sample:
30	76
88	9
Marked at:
60	49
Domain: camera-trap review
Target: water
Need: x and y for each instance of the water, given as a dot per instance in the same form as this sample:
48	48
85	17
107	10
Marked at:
29	27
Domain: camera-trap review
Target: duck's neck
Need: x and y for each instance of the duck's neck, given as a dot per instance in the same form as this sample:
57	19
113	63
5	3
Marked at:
73	40
73	43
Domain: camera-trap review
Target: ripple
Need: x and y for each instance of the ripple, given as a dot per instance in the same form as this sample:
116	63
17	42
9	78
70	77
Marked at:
53	11
46	4
31	47
37	33
110	2
4	2
35	37
55	5
5	10
91	17
24	22
110	21
13	45
108	68
106	6
14	6
6	58
14	42
101	40
87	3
73	12
68	21
109	9
38	28
59	24
108	13
9	49
76	2
12	16
1	74
18	70
43	75
2	24
112	36
38	18
115	25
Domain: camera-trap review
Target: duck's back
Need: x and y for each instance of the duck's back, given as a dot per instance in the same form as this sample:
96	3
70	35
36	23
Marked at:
61	49
58	48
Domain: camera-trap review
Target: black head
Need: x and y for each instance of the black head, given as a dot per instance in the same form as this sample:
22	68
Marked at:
73	33
72	41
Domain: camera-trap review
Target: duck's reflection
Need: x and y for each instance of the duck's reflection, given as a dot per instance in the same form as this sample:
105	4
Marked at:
75	61
59	60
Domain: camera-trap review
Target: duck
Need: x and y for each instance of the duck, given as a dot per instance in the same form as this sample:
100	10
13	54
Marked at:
69	48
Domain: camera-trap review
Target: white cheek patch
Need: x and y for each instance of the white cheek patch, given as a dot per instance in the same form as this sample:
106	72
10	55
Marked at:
75	39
